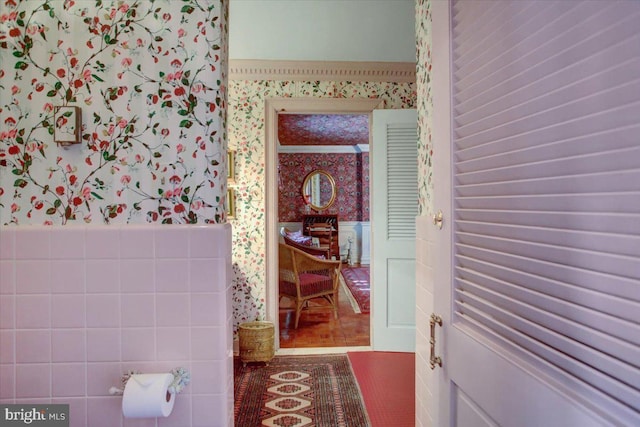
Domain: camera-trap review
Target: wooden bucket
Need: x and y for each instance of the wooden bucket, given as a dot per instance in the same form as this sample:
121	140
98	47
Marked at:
256	342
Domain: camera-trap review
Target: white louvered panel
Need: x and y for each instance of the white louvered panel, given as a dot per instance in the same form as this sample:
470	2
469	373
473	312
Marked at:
593	350
547	186
602	123
626	224
402	188
547	55
616	316
507	40
528	335
521	165
605	284
473	51
622	244
625	349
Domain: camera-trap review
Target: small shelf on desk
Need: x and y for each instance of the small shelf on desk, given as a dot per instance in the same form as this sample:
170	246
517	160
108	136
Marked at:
325	229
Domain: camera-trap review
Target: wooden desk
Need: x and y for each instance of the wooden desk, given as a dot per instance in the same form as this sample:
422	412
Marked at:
325	228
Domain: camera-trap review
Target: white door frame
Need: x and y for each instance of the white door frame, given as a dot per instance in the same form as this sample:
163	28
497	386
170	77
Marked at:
302	106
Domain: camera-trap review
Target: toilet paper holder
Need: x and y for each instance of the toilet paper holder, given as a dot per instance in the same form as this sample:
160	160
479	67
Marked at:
181	378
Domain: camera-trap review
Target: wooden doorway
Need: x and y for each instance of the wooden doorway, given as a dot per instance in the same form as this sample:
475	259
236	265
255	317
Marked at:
302	106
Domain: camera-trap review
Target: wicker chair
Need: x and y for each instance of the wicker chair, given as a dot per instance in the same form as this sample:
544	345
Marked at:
304	277
288	235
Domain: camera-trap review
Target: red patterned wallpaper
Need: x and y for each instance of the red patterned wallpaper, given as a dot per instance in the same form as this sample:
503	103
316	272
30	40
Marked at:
350	171
323	129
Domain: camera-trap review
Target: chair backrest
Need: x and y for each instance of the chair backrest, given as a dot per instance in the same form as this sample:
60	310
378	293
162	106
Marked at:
292	262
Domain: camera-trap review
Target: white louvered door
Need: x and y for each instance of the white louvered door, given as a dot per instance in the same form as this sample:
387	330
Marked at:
537	171
394	206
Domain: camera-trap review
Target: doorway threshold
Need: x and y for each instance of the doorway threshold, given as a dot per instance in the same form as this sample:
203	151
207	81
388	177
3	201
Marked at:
319	350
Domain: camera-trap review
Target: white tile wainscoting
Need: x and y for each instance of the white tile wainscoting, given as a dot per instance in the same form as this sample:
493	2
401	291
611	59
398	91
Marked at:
79	306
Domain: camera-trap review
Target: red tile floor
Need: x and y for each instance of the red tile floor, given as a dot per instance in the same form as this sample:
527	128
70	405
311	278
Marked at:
387	382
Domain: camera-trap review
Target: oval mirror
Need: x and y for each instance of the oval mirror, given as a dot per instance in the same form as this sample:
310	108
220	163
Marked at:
319	190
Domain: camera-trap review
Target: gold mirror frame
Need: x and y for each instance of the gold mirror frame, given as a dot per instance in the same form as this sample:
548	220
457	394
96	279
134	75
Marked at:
306	190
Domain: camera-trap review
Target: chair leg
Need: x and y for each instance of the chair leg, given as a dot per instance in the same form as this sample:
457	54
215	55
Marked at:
298	313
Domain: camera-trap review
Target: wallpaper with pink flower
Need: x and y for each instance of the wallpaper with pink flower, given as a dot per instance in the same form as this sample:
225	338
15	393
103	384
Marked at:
424	106
149	79
247	137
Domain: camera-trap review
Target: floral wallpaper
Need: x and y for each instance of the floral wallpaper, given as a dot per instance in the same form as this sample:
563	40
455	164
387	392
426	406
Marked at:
424	106
352	198
149	78
246	135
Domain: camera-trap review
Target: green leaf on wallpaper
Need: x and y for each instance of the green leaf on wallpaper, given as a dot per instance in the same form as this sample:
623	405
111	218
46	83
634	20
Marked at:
186	190
52	14
186	124
168	104
136	206
187	9
97	78
109	157
183	112
21	65
51	211
57	203
57	86
184	198
52	93
20	183
18	54
96	118
158	39
215	47
17	171
96	195
157	154
69	95
51	131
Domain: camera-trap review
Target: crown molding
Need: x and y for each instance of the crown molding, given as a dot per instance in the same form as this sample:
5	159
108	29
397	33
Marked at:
249	69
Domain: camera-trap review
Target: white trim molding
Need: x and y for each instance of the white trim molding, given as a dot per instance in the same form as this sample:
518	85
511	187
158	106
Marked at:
249	69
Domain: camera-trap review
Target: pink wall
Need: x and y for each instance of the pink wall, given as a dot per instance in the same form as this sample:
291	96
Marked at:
81	305
349	170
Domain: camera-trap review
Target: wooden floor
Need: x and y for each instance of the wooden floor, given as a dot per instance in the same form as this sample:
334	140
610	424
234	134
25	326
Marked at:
320	329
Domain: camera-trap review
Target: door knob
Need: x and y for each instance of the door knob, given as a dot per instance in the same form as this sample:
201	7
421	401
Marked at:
433	359
437	219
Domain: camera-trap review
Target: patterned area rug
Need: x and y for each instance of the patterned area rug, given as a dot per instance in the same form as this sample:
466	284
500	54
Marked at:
298	391
357	280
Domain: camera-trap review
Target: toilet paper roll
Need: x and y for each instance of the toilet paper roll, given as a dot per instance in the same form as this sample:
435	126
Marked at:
147	396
